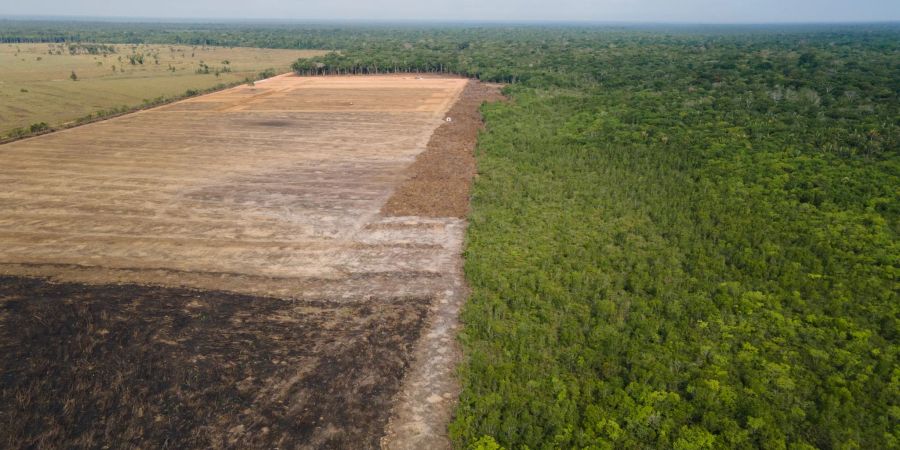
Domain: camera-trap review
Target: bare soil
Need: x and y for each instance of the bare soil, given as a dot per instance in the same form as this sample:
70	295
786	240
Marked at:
439	182
222	272
438	186
273	190
127	366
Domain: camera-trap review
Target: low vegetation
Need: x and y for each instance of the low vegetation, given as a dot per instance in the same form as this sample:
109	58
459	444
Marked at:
64	83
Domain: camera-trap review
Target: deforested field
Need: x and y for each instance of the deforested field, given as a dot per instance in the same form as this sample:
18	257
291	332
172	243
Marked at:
679	237
217	271
55	83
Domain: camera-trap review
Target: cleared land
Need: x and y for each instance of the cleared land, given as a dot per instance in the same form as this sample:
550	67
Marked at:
218	272
36	84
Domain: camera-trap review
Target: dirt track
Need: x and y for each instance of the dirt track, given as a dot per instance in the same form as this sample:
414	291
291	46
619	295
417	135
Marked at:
217	272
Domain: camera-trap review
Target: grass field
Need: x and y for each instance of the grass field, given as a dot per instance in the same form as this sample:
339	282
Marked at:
36	82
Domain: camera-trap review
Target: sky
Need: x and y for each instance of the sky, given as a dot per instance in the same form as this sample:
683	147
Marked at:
664	11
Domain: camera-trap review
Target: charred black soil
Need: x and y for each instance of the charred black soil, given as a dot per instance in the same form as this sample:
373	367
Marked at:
124	366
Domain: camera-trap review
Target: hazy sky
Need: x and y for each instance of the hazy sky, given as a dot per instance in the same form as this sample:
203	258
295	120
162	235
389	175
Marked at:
753	11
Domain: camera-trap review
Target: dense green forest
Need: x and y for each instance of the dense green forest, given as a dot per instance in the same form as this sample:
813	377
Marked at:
680	237
695	249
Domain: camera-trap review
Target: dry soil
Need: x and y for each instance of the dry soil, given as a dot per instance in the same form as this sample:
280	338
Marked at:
218	272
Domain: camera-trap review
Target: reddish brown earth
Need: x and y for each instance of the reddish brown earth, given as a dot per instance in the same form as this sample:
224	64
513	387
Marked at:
440	179
223	272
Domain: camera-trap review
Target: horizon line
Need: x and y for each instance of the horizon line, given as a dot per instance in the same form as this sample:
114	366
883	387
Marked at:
359	21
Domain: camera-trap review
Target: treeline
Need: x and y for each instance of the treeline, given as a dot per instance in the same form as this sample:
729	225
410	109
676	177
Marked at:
556	56
681	239
238	35
90	49
492	52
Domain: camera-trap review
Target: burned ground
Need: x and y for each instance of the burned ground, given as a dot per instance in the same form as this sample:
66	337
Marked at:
128	365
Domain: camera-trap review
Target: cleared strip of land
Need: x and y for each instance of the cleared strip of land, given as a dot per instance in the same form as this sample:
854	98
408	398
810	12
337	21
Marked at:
218	271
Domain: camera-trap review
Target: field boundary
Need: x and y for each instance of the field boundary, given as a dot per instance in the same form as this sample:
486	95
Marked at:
439	181
437	186
155	103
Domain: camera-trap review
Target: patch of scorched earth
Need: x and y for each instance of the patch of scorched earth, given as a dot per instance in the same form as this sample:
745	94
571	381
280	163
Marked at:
127	365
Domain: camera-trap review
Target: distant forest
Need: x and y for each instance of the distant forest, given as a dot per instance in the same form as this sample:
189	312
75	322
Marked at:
680	237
